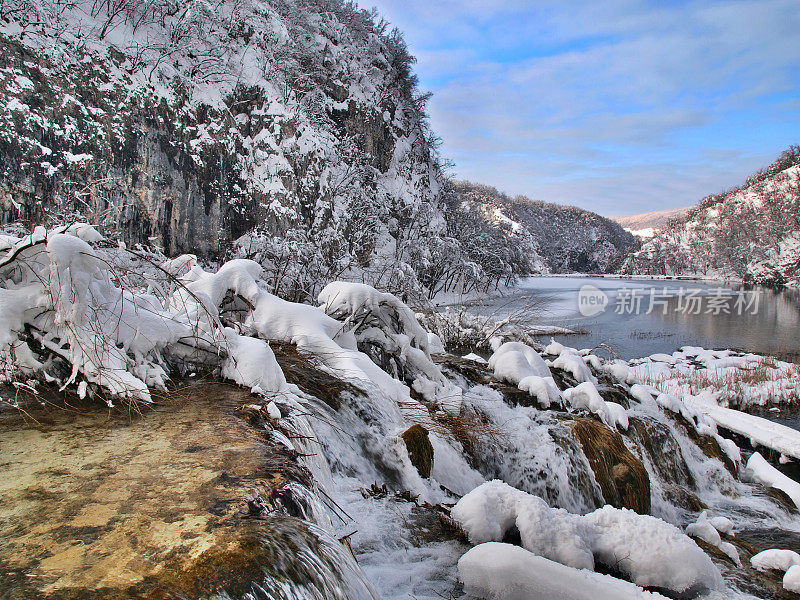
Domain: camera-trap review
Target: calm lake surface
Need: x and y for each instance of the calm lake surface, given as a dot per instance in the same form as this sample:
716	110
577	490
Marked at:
645	316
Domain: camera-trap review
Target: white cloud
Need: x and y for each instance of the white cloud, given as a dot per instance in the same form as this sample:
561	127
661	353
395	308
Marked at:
604	104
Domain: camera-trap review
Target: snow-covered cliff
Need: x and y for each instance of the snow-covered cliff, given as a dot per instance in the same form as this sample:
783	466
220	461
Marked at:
186	124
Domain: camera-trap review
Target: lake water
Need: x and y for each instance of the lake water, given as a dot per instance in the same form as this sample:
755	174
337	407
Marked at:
644	316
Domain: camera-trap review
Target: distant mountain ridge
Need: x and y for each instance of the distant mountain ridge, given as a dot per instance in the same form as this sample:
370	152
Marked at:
561	239
654	221
751	232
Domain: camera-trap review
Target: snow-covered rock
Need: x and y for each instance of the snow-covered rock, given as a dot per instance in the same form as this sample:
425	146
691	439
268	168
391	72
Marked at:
522	366
775	558
585	396
496	571
791	579
649	551
572	362
758	469
780	560
709	529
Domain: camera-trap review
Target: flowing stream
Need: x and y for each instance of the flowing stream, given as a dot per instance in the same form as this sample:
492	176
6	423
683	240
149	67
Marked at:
151	503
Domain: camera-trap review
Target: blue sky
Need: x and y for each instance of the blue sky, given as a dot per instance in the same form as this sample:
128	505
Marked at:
616	106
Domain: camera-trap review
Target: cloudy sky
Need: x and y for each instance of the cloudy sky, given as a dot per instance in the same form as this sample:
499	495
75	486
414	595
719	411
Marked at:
617	106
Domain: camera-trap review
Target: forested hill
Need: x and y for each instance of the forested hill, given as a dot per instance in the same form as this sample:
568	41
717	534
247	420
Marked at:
751	232
562	239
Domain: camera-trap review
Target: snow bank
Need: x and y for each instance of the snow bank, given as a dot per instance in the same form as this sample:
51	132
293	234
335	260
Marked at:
542	388
117	335
553	533
758	469
642	394
497	571
649	551
475	358
760	431
618	369
730	378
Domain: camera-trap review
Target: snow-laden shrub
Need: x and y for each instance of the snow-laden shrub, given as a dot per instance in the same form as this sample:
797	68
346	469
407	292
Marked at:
79	311
387	331
76	313
460	327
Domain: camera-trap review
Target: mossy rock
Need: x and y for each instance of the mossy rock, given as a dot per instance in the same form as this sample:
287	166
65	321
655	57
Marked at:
420	449
783	499
622	477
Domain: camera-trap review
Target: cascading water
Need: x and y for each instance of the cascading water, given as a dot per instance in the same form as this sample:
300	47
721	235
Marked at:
532	449
303	562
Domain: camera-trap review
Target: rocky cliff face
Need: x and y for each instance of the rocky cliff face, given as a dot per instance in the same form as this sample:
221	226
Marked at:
187	124
564	239
751	232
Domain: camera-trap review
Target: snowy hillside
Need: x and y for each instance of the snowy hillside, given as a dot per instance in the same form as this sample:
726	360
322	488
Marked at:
561	239
751	232
188	124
